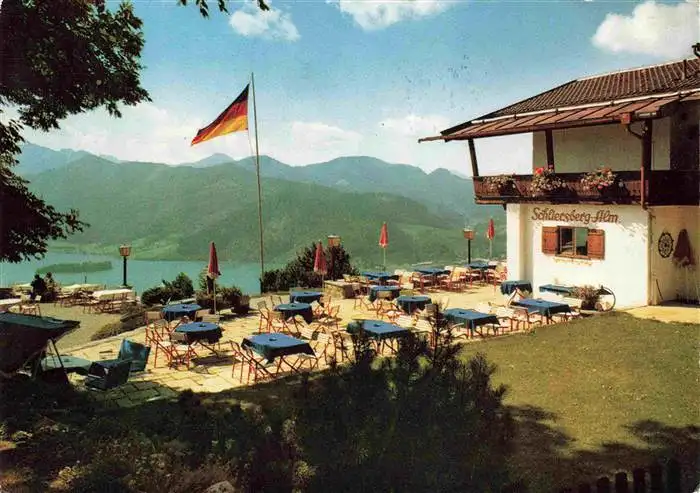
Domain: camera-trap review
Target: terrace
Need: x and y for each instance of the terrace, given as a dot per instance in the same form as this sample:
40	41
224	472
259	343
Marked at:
660	188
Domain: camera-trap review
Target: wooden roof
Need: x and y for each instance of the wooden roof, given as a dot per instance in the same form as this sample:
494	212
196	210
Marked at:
635	94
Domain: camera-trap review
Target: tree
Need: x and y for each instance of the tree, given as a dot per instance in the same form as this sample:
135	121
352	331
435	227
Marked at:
204	6
57	58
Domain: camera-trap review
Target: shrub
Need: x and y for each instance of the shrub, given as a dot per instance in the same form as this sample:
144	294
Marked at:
588	294
180	288
300	271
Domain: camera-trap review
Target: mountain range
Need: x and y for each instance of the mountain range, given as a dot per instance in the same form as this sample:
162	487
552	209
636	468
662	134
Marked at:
172	212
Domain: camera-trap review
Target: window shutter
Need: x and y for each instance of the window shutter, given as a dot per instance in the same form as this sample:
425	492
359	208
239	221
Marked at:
596	243
550	240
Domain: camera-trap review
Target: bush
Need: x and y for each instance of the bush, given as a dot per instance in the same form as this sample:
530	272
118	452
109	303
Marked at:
300	271
226	297
180	288
588	294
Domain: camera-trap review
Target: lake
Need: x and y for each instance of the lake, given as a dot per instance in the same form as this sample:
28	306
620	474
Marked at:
141	274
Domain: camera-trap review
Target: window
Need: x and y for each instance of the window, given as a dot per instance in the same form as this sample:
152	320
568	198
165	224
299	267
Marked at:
567	241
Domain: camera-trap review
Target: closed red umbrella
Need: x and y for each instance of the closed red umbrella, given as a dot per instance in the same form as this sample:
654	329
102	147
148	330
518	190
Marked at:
213	268
320	260
490	233
384	241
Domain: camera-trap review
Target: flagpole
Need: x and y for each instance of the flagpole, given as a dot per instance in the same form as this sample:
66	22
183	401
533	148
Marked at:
257	171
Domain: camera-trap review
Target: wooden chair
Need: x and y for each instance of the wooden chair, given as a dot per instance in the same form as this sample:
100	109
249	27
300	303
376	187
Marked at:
483	307
258	367
264	317
574	309
331	317
506	318
405	321
341	344
524	317
277	322
31	307
181	352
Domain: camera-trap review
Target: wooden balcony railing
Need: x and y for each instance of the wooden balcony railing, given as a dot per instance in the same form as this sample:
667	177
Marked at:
662	188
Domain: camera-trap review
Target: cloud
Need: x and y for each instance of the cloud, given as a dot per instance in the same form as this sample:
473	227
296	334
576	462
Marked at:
664	31
372	15
144	133
251	21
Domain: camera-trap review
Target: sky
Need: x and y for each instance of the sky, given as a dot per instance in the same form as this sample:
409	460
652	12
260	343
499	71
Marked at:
368	77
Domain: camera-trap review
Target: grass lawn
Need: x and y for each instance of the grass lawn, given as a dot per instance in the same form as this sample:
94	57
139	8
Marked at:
598	395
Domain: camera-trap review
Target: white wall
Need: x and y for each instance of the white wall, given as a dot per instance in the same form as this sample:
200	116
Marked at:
624	268
587	148
669	281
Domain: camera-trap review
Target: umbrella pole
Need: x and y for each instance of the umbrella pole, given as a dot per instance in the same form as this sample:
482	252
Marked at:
214	283
384	250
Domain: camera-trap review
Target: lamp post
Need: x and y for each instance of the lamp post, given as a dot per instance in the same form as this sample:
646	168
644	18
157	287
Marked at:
333	241
469	235
125	251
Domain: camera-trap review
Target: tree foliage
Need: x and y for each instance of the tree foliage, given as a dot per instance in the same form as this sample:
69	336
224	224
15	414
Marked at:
300	271
56	59
203	6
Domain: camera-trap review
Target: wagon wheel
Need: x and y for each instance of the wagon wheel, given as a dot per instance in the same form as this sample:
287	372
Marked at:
606	300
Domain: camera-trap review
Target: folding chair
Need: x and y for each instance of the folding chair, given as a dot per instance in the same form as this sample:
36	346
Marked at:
108	377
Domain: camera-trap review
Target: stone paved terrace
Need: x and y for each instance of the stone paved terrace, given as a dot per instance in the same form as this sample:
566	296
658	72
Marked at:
210	373
214	374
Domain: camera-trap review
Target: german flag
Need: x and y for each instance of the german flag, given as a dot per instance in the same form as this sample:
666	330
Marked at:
233	119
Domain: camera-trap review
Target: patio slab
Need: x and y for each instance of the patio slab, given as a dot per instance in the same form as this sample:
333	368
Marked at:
209	373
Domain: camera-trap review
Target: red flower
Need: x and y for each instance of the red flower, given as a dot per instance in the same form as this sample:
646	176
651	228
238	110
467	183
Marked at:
539	171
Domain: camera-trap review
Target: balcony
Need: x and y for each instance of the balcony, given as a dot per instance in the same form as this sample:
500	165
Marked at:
662	188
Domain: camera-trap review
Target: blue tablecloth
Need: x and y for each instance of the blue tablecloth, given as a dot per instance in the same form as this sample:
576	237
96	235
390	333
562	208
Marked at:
394	290
304	296
380	276
431	271
480	265
173	312
410	304
200	331
472	318
554	288
507	287
378	329
546	308
274	344
292	309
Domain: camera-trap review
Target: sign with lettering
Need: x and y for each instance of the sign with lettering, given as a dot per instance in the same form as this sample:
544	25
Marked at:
549	214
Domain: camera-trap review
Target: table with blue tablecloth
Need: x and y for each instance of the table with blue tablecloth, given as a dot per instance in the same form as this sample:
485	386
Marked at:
305	296
543	307
377	329
431	271
173	312
480	265
410	304
394	290
508	287
275	345
200	331
558	289
291	309
381	277
471	318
